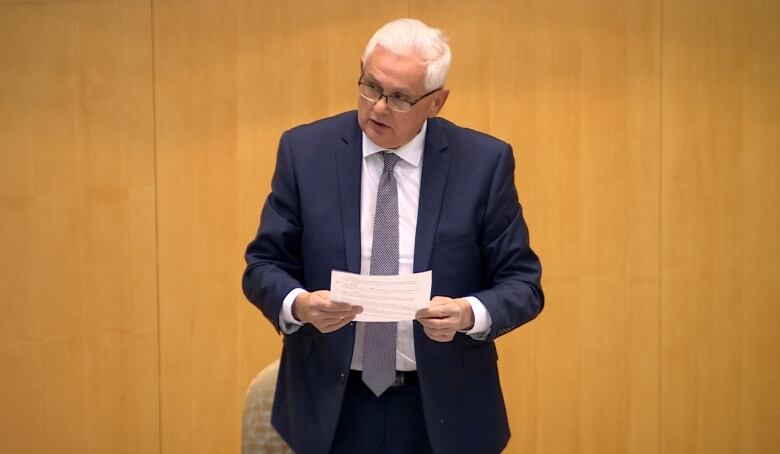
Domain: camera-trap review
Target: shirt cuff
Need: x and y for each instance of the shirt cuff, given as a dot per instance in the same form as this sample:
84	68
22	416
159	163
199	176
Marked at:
287	323
482	320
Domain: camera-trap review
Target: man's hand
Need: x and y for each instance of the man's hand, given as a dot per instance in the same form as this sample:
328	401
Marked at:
444	317
317	308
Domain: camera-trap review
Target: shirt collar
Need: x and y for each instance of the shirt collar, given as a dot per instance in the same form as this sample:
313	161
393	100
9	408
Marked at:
410	152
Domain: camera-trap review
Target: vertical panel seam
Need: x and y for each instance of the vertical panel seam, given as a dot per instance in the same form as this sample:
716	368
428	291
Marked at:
660	224
156	230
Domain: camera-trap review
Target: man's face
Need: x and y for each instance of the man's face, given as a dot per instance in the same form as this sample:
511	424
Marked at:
396	75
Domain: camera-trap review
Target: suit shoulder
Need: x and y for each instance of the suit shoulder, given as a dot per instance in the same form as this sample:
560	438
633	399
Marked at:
468	139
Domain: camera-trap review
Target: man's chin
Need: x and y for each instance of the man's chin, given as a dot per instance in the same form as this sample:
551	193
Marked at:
380	135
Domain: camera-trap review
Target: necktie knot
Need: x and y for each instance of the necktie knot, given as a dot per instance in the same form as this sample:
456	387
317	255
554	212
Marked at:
391	159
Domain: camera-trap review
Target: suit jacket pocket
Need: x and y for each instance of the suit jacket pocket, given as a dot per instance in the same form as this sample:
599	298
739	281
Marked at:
443	243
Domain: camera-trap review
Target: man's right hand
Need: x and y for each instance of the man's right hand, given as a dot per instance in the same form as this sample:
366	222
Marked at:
317	308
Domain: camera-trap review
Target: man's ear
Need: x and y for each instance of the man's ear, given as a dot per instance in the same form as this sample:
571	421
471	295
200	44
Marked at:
438	102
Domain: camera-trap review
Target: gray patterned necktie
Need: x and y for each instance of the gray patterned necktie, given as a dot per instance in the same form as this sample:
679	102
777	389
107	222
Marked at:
380	337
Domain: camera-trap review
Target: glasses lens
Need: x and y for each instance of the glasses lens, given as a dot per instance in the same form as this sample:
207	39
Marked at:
398	104
372	93
369	91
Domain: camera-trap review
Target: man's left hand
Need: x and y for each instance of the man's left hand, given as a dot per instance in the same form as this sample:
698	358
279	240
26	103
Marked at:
444	317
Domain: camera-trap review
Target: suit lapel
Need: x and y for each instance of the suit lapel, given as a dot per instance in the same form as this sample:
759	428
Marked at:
435	167
349	159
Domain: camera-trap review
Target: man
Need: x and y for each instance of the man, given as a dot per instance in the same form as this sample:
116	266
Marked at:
390	189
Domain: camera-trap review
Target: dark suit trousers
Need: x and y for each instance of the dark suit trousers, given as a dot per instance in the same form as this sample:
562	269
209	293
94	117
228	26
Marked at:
390	423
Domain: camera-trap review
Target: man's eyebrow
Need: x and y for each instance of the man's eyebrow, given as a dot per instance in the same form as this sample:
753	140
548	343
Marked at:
367	78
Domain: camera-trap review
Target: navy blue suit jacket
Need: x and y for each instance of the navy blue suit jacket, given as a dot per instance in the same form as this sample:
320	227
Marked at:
470	233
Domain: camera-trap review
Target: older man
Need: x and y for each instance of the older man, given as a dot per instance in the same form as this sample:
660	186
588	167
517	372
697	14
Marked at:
391	189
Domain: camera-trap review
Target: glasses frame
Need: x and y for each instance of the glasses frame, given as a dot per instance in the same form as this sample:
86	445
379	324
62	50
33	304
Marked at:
386	96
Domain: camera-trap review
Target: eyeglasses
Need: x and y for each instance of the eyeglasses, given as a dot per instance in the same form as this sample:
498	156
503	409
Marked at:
373	93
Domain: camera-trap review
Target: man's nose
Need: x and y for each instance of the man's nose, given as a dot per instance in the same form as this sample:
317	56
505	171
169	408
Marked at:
380	105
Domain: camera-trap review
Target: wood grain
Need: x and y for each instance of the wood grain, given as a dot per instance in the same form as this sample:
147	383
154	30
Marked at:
720	218
78	326
231	77
137	142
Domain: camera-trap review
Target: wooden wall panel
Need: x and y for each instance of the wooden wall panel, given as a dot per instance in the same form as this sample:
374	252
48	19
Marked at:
574	86
199	259
78	316
720	224
230	78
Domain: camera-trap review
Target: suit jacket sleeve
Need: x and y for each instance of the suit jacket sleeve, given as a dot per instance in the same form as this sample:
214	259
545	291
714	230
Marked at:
511	270
274	257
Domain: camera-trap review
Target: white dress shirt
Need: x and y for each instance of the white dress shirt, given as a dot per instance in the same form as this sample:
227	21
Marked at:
407	172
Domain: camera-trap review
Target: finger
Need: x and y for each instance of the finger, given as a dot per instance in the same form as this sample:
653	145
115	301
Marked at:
330	319
345	321
336	324
427	322
336	317
332	307
422	314
336	314
441	311
439	323
440	336
430	314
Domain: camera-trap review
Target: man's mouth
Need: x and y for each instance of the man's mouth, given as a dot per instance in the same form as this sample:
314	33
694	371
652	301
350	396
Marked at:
379	123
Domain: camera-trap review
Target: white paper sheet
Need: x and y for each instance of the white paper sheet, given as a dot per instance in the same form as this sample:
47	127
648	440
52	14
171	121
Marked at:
384	298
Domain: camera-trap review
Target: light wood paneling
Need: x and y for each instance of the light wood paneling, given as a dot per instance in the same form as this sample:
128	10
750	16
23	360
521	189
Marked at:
199	243
575	89
720	224
230	77
78	319
646	138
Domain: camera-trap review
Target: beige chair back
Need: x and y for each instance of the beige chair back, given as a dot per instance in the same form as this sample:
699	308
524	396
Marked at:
257	434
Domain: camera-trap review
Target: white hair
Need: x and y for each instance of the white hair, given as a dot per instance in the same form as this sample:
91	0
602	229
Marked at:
407	36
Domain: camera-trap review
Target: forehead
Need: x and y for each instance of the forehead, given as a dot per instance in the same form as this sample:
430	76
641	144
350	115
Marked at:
395	72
